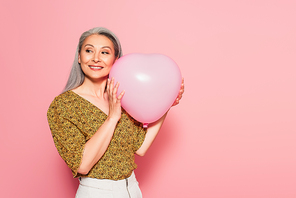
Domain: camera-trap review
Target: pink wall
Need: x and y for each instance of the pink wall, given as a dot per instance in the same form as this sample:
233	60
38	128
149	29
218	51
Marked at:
233	135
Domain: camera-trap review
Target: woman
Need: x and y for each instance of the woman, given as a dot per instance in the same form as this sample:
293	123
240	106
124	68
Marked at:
92	133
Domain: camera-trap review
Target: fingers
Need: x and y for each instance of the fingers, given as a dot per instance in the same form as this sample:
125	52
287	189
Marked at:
120	96
181	91
182	86
176	102
112	91
111	85
118	99
108	85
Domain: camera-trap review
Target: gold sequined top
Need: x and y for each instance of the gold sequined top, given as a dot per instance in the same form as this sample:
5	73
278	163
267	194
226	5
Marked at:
73	120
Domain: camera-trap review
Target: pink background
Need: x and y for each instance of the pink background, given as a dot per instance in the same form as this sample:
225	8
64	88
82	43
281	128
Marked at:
233	135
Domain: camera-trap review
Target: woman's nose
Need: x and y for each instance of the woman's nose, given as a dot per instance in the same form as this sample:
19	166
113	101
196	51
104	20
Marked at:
96	58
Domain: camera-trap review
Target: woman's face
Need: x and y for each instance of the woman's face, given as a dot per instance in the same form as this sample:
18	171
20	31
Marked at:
96	57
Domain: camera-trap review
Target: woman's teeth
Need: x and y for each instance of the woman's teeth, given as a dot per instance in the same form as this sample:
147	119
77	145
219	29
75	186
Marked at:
96	67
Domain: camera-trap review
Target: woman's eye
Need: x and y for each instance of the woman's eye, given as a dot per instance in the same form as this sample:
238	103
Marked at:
105	52
88	50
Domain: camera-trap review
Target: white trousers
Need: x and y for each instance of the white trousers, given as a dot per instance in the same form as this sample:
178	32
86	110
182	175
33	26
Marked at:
105	188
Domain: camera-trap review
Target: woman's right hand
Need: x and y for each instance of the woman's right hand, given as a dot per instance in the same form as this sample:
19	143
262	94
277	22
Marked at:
114	100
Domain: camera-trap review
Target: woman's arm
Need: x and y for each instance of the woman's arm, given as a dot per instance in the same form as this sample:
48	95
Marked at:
154	128
152	131
97	145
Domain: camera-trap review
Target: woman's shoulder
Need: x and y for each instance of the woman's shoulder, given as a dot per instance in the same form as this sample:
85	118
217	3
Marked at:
63	100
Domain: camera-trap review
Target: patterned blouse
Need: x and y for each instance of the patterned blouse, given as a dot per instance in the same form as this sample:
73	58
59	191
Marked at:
73	120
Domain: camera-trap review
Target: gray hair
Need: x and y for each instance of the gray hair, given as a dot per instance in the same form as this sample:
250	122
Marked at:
77	76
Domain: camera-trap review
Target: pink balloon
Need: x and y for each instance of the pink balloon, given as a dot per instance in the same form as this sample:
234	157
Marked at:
151	83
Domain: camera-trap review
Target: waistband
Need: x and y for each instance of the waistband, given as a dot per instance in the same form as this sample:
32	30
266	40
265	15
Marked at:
108	184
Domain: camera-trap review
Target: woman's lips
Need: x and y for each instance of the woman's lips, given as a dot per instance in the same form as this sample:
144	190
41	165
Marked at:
95	67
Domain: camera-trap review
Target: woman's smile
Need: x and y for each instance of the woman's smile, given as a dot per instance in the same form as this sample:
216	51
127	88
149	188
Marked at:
95	68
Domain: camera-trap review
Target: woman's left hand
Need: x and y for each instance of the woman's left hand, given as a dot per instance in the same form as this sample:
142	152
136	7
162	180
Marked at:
180	94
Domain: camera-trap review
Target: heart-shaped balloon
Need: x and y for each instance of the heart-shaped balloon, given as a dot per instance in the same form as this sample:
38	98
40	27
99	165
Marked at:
151	83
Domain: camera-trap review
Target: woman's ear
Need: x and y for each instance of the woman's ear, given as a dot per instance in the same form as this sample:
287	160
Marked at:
79	58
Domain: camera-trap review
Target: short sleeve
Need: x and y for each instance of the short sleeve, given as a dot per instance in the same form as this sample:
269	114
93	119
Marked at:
68	139
139	134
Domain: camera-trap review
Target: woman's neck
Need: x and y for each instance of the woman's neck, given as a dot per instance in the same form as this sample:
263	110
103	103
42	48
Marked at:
93	88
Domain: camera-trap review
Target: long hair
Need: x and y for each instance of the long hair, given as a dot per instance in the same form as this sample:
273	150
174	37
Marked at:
77	76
